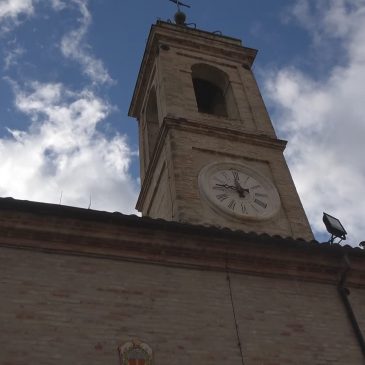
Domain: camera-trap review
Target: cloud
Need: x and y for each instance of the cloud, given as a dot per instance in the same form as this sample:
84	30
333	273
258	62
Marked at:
11	10
14	8
74	47
63	153
73	44
58	4
323	118
12	56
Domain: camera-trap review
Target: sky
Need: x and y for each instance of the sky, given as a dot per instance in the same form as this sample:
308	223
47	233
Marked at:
67	74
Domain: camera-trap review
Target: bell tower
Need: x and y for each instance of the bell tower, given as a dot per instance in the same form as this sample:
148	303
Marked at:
208	151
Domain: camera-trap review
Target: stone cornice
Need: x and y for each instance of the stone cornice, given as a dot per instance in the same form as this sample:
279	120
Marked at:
74	231
198	127
232	134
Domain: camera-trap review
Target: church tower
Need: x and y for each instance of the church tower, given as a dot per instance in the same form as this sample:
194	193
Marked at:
109	288
209	154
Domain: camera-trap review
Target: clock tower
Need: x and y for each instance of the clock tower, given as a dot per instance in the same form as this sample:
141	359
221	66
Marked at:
208	152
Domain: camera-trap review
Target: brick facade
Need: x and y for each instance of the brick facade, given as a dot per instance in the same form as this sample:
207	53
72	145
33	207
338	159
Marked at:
76	284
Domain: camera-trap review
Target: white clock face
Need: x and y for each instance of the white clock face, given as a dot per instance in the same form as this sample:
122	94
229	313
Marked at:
239	191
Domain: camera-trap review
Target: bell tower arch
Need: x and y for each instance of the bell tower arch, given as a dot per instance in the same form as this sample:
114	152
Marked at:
209	152
213	91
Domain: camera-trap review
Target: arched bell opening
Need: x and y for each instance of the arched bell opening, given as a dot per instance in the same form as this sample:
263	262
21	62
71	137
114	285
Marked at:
213	91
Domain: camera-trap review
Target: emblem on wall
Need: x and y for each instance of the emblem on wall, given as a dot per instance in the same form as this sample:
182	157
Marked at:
135	352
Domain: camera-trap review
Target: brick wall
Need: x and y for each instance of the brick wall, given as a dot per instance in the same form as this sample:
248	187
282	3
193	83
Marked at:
293	322
59	309
66	309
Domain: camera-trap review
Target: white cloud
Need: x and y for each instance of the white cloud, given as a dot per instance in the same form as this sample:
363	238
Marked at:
11	10
12	56
62	152
74	47
324	119
58	4
73	44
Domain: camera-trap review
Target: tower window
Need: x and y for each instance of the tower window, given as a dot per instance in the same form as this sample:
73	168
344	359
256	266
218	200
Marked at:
213	91
209	98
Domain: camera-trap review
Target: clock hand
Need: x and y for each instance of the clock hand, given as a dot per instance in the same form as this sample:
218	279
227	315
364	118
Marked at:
241	191
226	186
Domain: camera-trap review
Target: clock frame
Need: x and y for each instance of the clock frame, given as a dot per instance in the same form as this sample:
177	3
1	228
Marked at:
239	191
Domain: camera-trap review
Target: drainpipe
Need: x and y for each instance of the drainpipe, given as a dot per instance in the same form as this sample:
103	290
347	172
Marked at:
344	294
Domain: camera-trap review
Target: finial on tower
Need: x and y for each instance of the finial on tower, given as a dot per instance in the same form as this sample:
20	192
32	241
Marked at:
180	16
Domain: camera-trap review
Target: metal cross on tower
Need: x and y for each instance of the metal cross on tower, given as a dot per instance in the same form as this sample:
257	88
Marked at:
179	3
180	16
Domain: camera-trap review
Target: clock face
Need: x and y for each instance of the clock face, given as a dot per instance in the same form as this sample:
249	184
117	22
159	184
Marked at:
238	190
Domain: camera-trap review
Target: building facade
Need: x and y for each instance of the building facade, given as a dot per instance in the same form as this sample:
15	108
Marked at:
221	267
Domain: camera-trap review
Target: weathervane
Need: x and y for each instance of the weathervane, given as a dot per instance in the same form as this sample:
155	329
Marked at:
180	16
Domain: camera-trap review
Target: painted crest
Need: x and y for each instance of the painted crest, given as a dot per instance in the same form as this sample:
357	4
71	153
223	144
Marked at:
135	352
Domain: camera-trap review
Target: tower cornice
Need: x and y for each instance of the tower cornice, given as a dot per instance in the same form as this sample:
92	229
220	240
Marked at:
199	127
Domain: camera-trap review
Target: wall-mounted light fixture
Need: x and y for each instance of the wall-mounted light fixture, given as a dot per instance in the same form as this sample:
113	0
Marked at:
334	227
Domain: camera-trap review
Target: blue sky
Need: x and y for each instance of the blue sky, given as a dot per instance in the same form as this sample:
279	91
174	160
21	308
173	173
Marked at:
67	73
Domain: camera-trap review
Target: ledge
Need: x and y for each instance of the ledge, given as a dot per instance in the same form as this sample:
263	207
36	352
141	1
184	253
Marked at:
58	229
199	127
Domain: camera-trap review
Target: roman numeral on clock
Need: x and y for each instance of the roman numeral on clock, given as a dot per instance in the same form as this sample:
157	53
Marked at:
232	204
260	203
235	175
222	197
220	188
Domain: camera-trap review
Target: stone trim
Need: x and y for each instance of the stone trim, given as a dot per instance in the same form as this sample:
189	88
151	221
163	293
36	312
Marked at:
198	127
91	233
